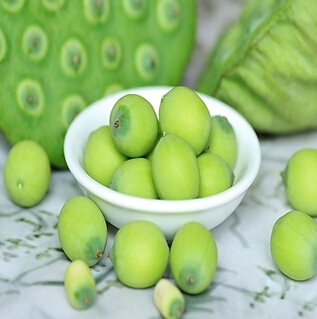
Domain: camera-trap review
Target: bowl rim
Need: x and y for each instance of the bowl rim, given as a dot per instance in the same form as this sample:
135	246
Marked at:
158	205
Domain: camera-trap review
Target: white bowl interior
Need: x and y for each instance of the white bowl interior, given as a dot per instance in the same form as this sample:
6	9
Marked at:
168	215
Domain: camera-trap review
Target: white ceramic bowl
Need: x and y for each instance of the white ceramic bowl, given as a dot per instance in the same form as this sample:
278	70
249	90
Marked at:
119	209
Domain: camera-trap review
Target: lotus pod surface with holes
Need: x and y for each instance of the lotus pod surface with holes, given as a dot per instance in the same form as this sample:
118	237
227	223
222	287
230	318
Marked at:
58	56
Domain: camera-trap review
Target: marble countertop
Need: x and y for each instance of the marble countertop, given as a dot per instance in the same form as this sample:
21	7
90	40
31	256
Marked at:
246	284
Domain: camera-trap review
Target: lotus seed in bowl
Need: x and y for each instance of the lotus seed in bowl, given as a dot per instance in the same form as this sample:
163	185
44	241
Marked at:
169	215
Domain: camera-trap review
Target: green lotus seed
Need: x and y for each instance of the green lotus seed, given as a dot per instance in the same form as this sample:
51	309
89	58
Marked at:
73	57
101	157
168	14
80	285
71	107
146	61
82	230
12	5
134	125
134	177
293	245
175	169
216	175
193	258
183	113
139	254
135	9
3	45
97	11
30	97
223	140
53	5
27	173
35	43
111	53
299	178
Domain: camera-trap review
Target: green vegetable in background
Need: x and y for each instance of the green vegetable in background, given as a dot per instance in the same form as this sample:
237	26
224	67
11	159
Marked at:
57	57
265	66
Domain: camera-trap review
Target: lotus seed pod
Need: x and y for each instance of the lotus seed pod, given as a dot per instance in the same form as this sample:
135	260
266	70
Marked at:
52	51
252	66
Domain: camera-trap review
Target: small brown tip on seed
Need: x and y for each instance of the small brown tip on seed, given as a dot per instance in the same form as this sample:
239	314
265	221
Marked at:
86	299
116	123
191	280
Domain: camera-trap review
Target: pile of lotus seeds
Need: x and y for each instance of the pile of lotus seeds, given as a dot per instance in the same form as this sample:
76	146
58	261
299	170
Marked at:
180	153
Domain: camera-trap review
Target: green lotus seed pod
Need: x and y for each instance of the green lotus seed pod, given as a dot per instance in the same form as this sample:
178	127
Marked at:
139	254
80	285
193	258
82	230
263	66
87	49
293	245
300	181
27	173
